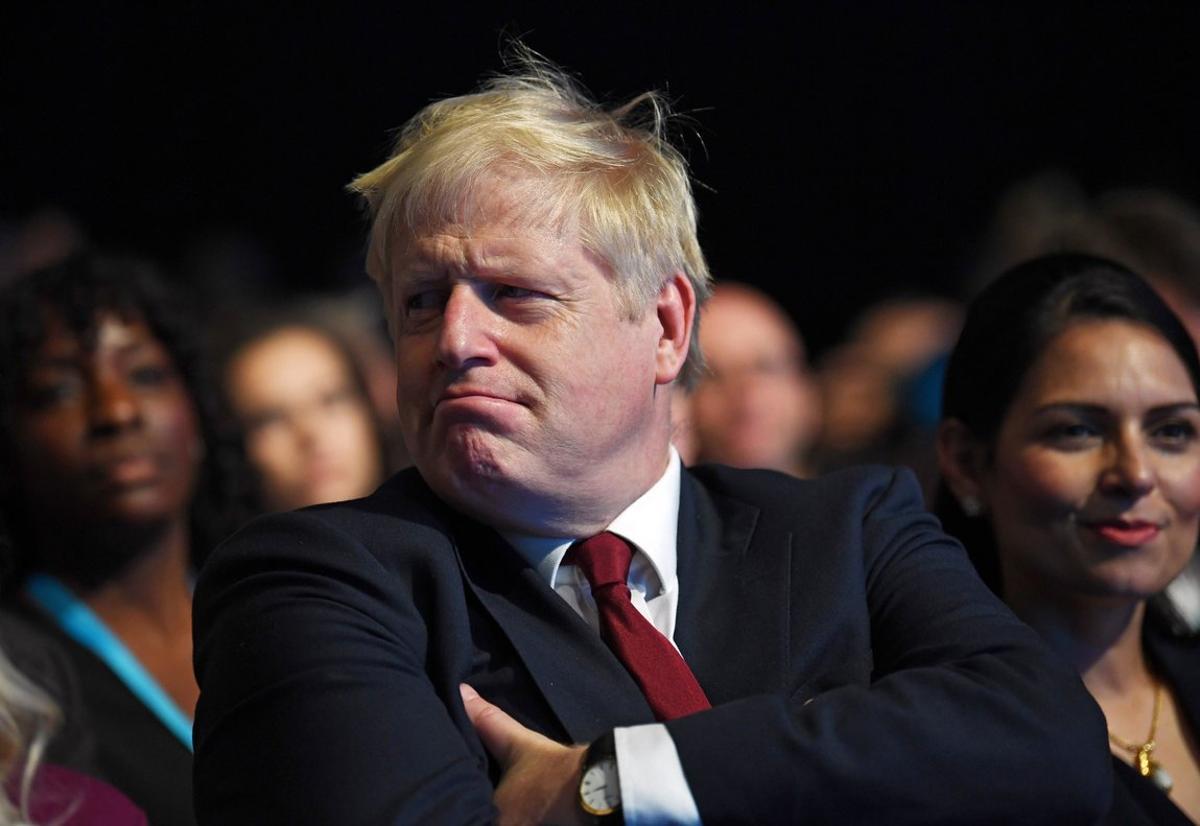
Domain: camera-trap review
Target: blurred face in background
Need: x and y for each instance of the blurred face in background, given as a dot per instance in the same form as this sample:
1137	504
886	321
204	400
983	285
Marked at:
1094	483
105	434
757	407
861	379
308	426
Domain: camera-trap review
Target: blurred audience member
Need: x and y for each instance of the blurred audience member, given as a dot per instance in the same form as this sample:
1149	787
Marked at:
116	478
756	406
357	320
683	434
45	238
1152	231
1158	234
34	792
860	403
1071	452
309	426
1046	212
879	386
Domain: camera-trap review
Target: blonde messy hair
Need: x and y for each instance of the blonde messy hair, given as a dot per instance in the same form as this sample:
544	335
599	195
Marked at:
612	173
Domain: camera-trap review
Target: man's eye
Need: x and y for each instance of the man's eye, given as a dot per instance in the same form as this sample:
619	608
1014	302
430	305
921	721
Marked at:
425	302
510	291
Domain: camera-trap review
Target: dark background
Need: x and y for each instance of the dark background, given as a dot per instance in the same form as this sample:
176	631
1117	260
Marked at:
847	151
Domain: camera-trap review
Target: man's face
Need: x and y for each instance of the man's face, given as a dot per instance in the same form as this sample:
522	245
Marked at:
526	397
757	406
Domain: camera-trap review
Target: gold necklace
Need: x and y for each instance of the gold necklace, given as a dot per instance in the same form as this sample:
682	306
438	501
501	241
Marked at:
1145	764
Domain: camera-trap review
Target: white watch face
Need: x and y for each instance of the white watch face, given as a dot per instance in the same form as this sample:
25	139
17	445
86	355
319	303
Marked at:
600	790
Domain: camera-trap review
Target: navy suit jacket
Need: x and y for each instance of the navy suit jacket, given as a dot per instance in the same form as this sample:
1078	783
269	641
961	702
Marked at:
858	668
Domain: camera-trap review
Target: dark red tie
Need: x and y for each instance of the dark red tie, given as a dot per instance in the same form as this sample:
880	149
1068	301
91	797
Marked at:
665	679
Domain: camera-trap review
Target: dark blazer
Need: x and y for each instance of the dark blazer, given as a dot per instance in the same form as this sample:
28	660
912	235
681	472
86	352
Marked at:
858	668
1137	801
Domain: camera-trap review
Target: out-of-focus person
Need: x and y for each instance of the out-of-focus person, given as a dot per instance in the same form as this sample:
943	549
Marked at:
42	239
683	434
309	427
1070	447
756	404
880	387
33	790
357	321
117	477
1157	234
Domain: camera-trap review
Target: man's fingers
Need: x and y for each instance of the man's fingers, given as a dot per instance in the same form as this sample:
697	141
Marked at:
500	733
541	777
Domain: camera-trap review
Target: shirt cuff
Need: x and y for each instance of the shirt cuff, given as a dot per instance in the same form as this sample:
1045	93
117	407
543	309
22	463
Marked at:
654	790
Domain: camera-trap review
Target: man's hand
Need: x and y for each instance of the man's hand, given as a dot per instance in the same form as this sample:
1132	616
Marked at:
541	777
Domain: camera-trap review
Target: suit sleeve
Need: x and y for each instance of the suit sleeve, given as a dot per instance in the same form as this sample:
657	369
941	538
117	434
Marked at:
315	703
968	717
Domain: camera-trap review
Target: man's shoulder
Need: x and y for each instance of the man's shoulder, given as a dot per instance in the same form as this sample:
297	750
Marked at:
402	518
403	498
857	488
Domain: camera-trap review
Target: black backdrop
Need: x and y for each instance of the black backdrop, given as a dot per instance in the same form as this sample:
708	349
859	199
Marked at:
848	150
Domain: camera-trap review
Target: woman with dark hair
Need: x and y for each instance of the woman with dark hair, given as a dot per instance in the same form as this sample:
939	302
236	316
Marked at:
115	478
310	430
1070	454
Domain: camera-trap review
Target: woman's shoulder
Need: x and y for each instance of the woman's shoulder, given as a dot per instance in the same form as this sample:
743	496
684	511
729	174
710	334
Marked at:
47	659
64	796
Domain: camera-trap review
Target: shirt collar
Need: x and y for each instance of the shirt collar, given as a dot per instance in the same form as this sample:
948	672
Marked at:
650	523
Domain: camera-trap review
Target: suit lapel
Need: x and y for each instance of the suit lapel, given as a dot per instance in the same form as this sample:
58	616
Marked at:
734	590
585	685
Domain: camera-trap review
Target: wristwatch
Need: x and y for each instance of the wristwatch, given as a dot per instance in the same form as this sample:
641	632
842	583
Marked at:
599	788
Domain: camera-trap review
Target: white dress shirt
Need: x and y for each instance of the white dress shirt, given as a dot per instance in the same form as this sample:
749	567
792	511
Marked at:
653	786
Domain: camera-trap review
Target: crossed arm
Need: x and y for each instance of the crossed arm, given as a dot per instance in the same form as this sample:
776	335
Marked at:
968	717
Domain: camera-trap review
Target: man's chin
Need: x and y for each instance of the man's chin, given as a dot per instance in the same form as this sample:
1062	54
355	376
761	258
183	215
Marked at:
466	467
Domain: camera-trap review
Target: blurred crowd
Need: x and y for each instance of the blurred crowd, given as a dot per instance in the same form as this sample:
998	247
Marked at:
765	401
247	400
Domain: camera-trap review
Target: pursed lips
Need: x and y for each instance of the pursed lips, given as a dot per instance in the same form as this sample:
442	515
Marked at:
455	393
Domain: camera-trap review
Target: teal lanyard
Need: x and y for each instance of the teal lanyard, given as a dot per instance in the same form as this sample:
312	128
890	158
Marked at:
82	625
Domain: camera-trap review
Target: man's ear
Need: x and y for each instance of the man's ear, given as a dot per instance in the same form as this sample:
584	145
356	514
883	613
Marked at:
962	460
676	308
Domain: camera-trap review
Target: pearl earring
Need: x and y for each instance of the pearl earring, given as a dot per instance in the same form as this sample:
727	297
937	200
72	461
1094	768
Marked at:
971	506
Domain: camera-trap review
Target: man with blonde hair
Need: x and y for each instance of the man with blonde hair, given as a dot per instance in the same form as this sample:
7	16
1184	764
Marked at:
731	646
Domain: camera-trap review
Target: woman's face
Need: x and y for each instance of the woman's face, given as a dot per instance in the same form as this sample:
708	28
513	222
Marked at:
106	432
1094	484
308	427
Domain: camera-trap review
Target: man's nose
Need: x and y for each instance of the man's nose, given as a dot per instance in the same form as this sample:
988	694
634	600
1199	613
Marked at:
468	329
1128	470
113	404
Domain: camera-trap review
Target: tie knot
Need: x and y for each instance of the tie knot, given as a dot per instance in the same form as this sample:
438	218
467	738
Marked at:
603	558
